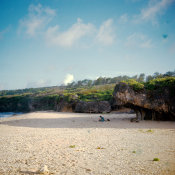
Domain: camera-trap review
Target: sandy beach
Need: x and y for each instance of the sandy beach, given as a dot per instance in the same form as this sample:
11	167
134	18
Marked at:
78	144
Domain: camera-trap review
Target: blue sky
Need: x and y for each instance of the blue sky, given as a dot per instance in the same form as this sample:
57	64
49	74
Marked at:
50	42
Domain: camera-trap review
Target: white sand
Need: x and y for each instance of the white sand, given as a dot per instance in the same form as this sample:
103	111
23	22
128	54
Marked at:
29	141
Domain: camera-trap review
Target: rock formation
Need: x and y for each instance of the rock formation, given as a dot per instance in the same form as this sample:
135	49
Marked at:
148	104
93	107
61	104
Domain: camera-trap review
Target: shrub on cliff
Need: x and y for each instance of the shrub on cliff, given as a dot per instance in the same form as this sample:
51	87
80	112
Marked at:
133	83
105	95
160	83
154	84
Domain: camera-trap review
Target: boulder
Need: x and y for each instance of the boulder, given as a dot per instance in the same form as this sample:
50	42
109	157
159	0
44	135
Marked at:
155	104
64	106
93	107
104	107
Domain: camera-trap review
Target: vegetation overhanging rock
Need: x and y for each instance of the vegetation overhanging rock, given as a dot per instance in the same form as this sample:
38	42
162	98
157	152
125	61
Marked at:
151	100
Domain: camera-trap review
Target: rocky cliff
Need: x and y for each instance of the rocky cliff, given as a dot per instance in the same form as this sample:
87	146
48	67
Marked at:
60	104
93	107
156	104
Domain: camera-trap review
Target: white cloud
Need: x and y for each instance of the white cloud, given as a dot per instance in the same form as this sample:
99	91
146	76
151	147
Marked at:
71	36
33	25
39	83
155	8
138	40
68	79
106	34
123	18
37	18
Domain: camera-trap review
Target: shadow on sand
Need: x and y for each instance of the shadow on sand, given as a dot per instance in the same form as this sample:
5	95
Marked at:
88	122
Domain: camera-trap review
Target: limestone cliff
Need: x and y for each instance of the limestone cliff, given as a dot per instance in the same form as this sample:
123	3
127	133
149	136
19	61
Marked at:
60	104
156	104
93	107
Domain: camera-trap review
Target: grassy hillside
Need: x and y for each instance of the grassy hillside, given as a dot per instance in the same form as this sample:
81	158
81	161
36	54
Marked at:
94	93
100	92
49	98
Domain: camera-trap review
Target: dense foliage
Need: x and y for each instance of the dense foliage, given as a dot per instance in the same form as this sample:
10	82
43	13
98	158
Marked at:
135	84
160	83
154	84
94	93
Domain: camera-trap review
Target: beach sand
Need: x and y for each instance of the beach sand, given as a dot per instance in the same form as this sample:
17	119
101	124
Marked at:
71	143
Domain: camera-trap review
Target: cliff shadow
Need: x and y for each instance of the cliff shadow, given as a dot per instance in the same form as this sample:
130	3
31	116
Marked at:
121	121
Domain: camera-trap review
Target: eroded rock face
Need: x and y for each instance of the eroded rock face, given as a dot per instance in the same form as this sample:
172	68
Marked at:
93	107
61	105
156	105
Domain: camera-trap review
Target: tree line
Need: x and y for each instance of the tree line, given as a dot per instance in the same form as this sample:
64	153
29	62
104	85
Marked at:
107	80
86	83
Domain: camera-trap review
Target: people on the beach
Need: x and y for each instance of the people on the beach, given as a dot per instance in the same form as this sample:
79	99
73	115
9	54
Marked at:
101	119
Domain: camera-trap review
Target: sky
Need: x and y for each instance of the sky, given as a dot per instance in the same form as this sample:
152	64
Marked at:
54	42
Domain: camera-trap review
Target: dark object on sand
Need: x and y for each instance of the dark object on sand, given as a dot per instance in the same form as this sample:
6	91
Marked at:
134	120
101	119
108	120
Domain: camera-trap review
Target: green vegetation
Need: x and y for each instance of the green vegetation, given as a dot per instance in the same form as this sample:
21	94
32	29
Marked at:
154	84
100	92
72	146
156	159
160	83
134	152
48	99
135	84
32	91
95	93
100	147
146	131
150	131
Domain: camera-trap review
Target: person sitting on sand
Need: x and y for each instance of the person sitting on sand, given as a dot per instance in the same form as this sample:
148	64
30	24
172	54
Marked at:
101	119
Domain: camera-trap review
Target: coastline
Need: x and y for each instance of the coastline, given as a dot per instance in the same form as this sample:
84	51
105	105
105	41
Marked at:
31	140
